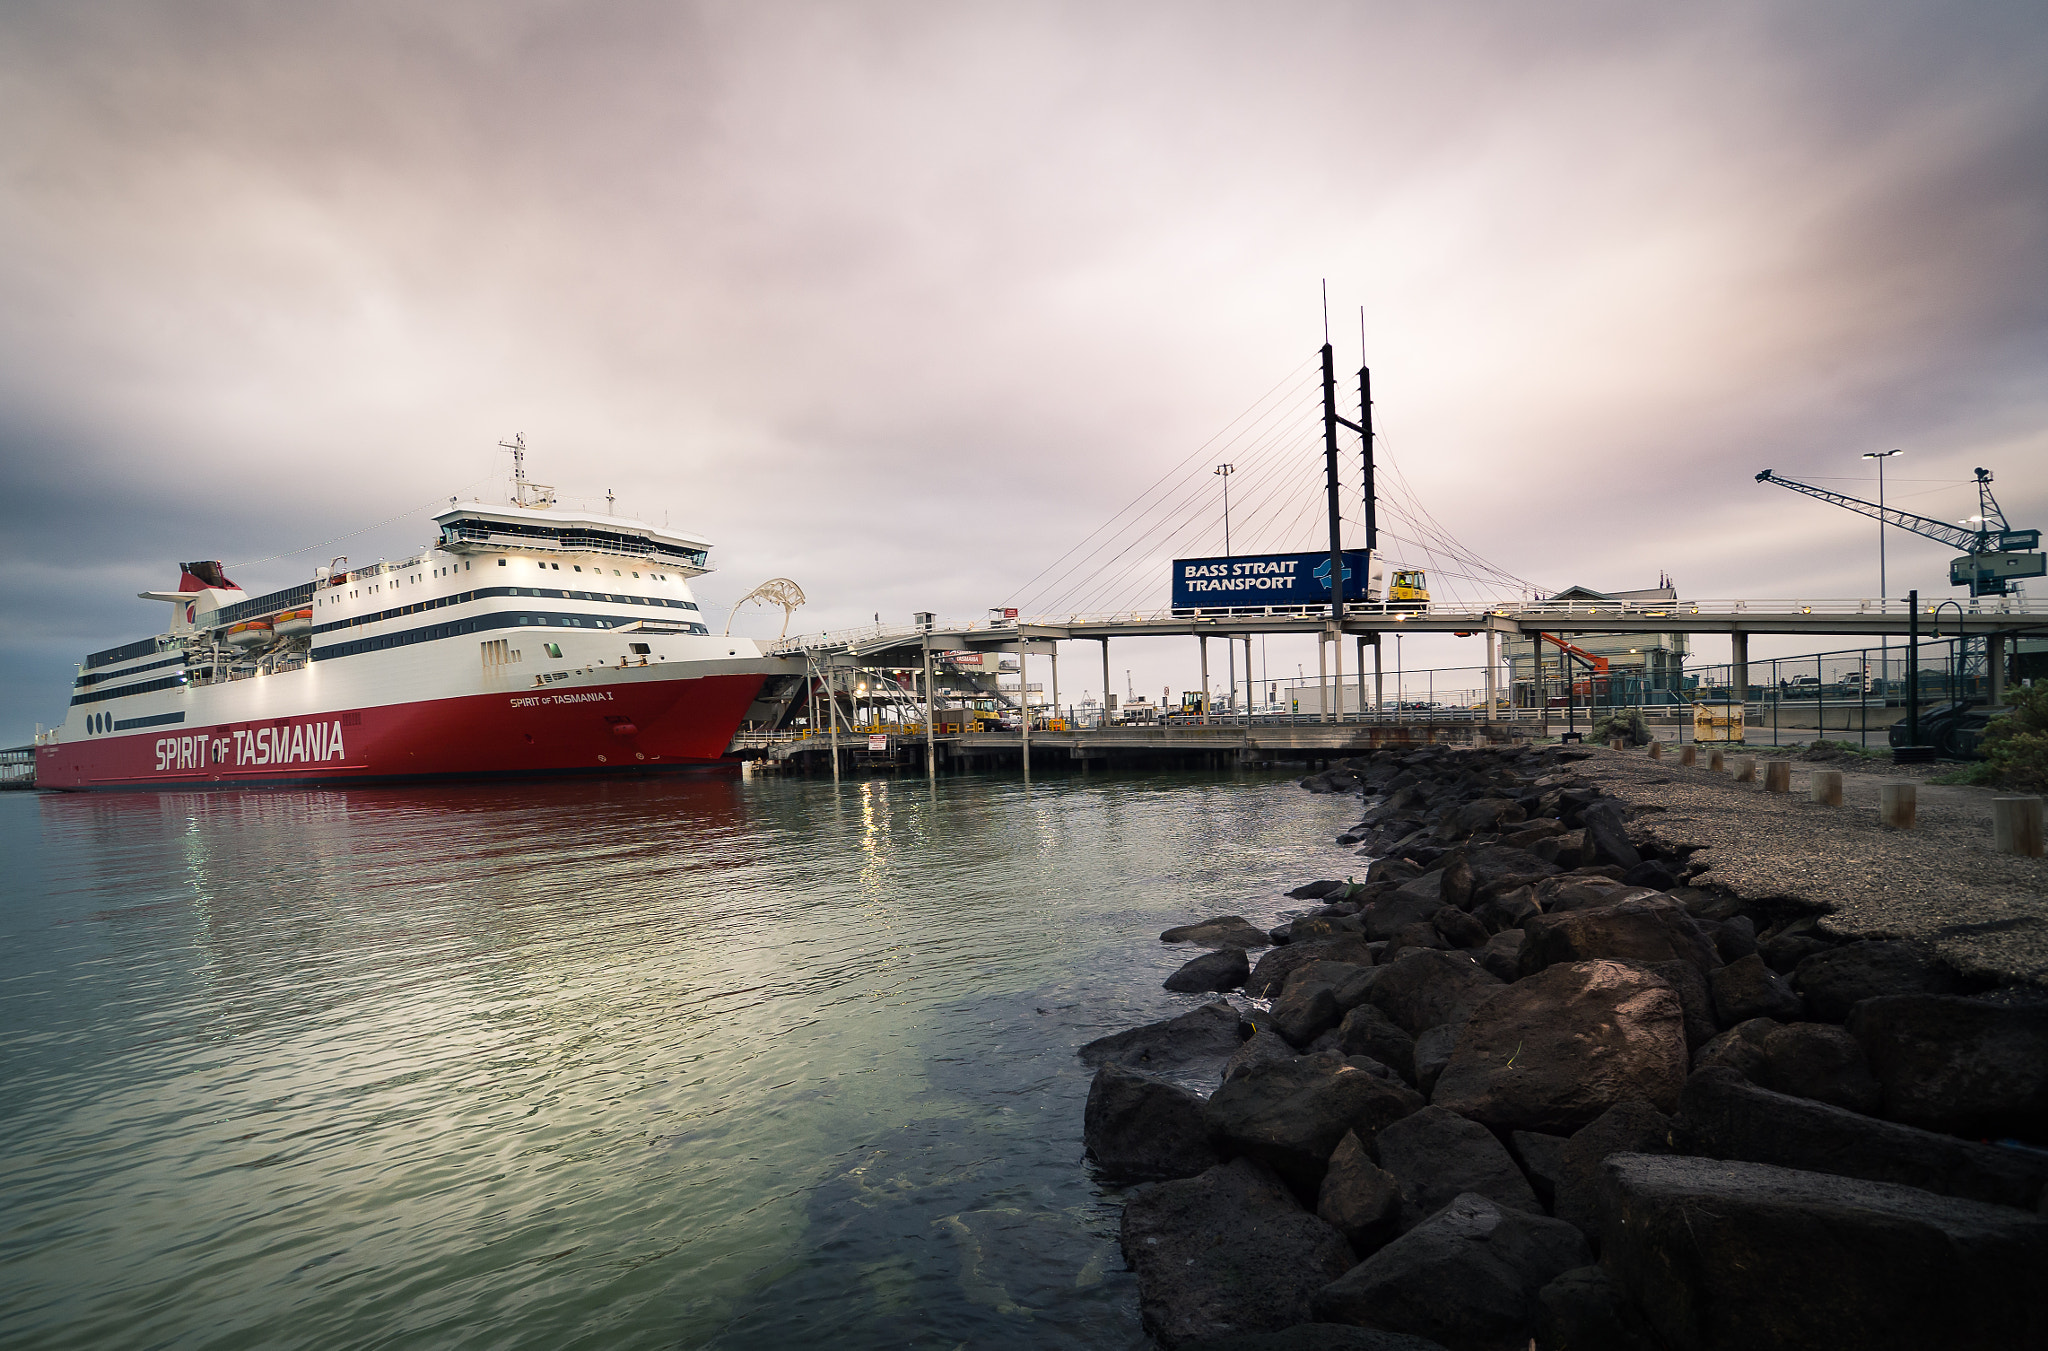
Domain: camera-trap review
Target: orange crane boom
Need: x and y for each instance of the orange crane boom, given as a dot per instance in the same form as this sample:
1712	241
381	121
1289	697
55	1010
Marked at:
1598	663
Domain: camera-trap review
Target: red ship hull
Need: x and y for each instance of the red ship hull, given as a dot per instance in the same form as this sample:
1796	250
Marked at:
641	727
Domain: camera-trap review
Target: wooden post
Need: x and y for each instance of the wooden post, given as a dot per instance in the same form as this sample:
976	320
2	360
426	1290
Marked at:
1614	743
1688	755
1777	776
1656	749
1898	804
1716	760
2016	825
1745	769
1825	785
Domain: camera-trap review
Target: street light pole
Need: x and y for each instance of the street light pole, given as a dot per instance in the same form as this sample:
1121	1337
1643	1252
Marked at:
1884	641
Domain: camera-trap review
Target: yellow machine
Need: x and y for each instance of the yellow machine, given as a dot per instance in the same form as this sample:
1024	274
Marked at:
1410	587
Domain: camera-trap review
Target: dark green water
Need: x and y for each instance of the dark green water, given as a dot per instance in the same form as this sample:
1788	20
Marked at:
736	1063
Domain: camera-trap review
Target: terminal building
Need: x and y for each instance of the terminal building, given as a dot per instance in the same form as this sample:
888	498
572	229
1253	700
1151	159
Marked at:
1642	668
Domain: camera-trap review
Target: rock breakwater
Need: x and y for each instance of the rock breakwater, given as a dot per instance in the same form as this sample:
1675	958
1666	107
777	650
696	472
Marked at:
1532	1077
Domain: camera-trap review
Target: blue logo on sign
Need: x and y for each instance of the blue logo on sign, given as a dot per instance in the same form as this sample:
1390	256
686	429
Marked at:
1322	574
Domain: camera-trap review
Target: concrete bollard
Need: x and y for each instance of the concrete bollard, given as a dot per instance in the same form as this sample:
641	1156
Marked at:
1898	804
1825	786
1777	776
2016	825
1656	750
1688	755
1716	760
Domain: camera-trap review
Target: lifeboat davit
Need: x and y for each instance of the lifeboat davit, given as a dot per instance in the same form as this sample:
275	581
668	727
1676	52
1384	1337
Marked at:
292	622
254	633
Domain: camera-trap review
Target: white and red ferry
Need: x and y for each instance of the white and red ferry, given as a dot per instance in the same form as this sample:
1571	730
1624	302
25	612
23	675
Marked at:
526	640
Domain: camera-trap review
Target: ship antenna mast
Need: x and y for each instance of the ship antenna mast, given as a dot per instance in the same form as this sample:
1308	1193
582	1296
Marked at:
525	494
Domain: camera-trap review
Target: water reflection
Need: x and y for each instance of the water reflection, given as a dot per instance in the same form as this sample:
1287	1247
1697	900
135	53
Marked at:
650	1062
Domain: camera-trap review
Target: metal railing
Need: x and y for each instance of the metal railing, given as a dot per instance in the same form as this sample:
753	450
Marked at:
1395	613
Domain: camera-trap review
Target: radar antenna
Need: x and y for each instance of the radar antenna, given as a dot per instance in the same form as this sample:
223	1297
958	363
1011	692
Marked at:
775	591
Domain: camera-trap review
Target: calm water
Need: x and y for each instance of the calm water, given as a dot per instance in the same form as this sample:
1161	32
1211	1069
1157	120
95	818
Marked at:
726	1063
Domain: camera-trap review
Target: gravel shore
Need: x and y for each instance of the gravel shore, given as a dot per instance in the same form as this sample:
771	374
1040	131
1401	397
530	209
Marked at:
1985	912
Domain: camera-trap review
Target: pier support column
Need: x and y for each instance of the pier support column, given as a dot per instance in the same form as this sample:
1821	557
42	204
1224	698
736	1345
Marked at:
1323	674
1492	680
931	764
1362	640
1738	664
1994	669
1055	680
1023	705
1337	672
1379	680
1107	702
1203	643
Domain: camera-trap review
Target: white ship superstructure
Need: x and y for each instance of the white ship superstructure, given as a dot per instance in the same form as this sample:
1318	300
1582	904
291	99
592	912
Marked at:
524	640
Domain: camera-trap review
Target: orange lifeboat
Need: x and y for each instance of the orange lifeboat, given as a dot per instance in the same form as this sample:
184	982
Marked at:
292	623
254	633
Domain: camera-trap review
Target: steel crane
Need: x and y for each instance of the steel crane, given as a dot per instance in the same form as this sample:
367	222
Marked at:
1995	554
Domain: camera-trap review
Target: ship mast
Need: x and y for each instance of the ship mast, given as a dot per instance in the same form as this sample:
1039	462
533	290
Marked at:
539	496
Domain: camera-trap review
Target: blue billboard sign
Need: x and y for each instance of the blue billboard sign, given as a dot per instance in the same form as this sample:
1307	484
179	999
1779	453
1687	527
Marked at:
1265	579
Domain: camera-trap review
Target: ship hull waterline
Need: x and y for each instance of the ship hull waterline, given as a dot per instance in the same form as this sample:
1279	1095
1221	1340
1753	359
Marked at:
625	728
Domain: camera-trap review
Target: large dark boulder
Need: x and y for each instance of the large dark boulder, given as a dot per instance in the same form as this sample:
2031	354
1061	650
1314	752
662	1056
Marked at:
1724	1116
1436	1156
1502	954
1413	903
1225	931
1554	1050
1740	1048
1290	1114
1427	986
1459	929
1632	1127
1583	1310
1542	1160
1305	1010
1487	813
1750	989
1607	834
1139	1128
1646	931
1585	891
1432	1052
1225	1253
1262	1046
1493	864
1225	969
1270	975
1367	1031
1726	1256
1695	997
1359	1198
1834	980
1214	1030
1820	1061
1967	1066
1316	891
1466	1277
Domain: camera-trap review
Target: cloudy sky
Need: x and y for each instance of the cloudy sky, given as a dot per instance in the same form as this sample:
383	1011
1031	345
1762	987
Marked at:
904	300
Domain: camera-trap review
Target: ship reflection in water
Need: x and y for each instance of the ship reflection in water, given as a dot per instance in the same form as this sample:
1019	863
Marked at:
703	1062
